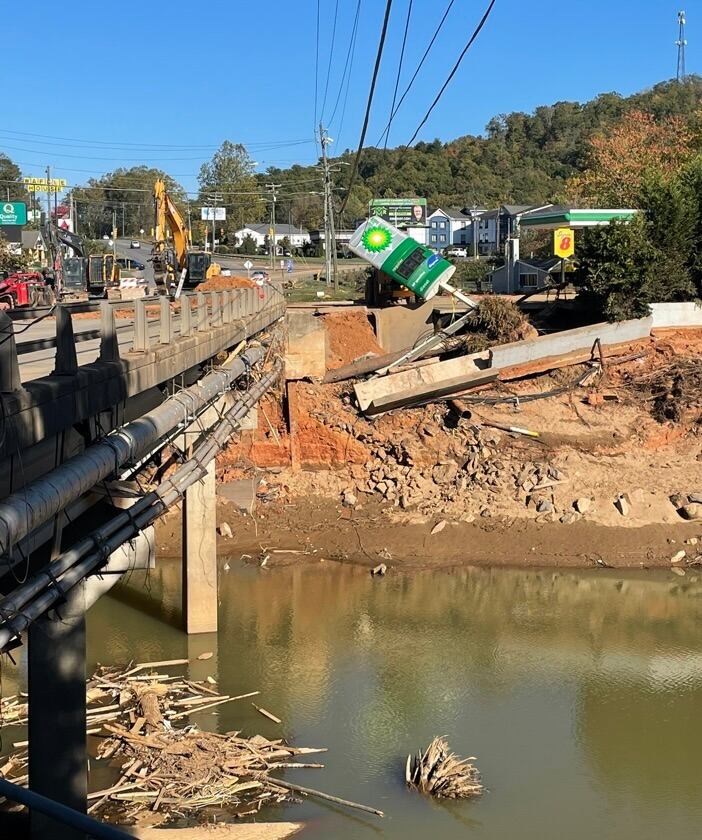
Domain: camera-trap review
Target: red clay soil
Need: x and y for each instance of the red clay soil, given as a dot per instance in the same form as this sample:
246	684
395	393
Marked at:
350	336
219	283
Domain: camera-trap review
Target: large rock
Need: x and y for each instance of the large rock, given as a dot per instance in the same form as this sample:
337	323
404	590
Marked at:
444	473
582	505
621	503
691	511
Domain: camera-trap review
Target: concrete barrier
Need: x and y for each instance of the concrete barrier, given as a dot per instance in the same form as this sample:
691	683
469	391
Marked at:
569	341
671	315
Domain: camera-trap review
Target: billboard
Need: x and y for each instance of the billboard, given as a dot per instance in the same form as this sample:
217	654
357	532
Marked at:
400	212
410	264
206	214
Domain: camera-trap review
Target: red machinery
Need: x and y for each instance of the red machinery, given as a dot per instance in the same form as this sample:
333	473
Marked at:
25	288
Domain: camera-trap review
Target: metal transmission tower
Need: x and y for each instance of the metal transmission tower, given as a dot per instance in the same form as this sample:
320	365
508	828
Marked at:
681	43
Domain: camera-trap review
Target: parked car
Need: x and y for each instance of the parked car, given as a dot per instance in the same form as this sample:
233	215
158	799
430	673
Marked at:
133	265
260	277
135	243
457	252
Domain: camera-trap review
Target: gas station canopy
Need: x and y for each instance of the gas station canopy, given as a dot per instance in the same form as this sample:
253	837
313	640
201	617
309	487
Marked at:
560	215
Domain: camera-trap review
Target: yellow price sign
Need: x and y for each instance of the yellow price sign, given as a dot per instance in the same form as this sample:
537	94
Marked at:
564	242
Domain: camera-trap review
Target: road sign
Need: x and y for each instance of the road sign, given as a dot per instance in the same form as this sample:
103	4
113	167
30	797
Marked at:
248	265
206	214
564	242
13	213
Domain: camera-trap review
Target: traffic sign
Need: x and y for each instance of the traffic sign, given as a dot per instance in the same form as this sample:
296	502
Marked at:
13	213
248	265
564	242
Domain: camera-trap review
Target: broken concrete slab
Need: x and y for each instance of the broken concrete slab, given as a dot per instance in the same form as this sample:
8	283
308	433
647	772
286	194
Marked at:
306	346
424	382
242	493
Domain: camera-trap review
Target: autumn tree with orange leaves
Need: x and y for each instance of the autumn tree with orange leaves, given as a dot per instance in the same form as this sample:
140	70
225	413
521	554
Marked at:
620	160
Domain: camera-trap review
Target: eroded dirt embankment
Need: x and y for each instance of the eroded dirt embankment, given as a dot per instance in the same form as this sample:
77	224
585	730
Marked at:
611	478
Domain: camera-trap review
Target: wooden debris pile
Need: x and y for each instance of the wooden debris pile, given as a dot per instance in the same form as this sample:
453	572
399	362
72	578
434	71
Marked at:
438	772
165	763
179	770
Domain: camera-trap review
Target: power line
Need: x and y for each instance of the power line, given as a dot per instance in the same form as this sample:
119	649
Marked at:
416	72
354	170
472	38
349	53
348	82
136	146
331	55
316	72
399	72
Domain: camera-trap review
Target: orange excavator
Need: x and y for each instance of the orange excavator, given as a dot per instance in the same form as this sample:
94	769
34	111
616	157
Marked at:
175	258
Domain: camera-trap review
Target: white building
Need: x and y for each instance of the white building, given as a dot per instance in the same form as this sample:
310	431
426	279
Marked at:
296	236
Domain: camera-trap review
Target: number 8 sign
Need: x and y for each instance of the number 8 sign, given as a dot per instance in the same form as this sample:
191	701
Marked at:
564	242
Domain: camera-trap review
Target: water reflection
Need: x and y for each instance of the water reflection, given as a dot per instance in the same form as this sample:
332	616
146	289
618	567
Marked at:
577	692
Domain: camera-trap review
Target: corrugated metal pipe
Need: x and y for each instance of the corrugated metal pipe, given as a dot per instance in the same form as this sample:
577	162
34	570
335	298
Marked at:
41	500
32	599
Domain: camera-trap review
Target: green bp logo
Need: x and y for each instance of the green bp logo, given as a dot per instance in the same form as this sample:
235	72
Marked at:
376	239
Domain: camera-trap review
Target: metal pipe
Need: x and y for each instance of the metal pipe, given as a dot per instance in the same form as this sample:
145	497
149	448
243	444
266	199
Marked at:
61	813
43	590
40	500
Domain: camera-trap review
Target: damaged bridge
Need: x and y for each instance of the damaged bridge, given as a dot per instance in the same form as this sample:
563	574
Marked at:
85	407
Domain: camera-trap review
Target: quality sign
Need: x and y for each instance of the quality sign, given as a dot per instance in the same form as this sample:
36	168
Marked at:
13	213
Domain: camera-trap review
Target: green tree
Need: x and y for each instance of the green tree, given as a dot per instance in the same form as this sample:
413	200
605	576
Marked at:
248	245
128	193
229	178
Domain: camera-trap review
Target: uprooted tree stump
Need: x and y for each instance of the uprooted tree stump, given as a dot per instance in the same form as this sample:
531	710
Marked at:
438	772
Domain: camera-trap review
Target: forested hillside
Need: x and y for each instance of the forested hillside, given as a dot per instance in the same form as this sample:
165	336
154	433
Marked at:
521	158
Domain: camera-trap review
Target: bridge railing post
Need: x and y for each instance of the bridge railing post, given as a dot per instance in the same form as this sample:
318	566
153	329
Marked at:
166	331
66	363
141	342
216	311
203	315
226	307
186	315
109	346
9	363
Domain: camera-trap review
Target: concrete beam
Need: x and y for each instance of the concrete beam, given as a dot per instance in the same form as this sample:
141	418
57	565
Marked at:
200	595
569	341
9	366
58	756
671	315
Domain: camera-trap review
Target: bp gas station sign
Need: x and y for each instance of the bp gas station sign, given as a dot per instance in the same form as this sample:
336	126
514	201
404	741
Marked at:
13	213
410	264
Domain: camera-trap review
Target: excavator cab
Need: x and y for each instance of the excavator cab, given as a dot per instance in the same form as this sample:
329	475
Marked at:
75	276
197	267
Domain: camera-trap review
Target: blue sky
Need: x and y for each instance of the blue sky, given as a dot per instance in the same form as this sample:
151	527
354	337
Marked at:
191	75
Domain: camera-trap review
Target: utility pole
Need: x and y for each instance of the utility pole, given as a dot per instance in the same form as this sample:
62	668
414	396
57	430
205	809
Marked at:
48	194
329	237
214	223
681	43
124	228
273	191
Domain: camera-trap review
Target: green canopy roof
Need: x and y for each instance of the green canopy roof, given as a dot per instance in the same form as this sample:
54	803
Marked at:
562	216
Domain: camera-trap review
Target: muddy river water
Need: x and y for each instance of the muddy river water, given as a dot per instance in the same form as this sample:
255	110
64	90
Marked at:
580	694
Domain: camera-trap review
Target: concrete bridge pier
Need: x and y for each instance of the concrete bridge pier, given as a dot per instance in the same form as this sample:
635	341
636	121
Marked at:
200	591
57	717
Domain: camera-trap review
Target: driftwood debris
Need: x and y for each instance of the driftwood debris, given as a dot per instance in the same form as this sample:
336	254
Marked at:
160	767
438	772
